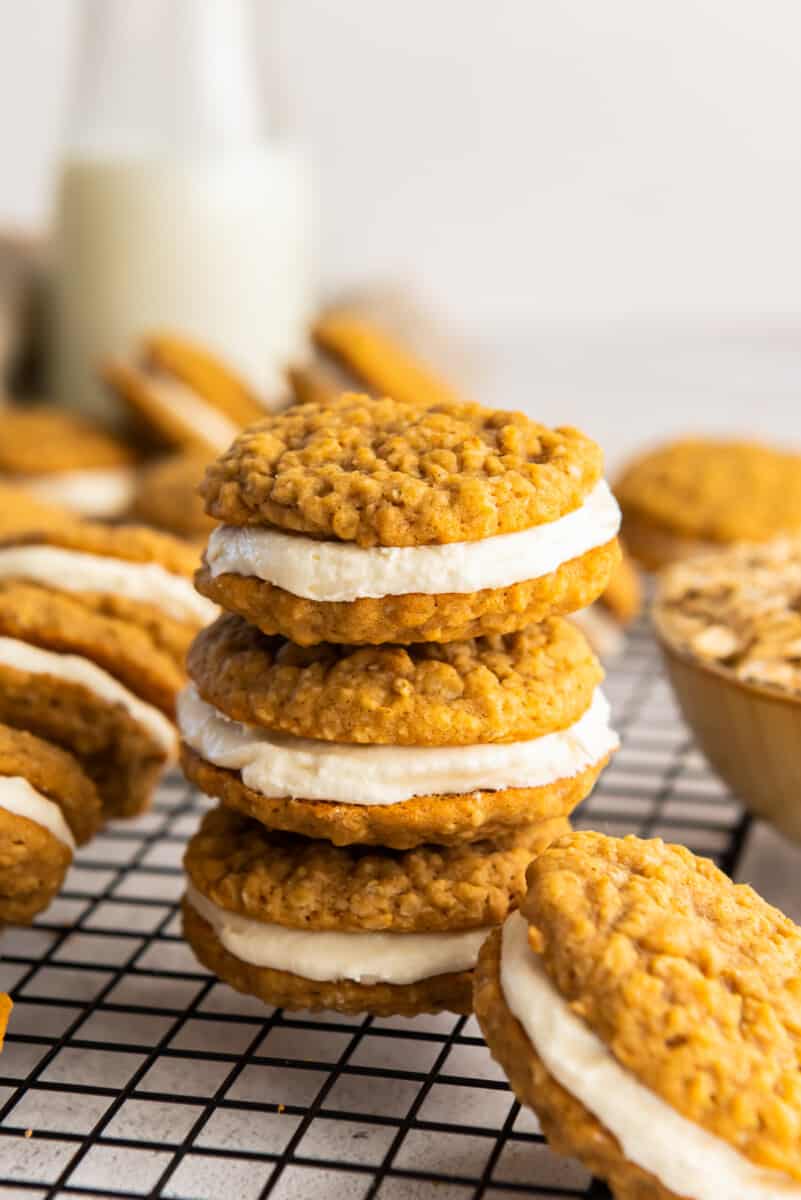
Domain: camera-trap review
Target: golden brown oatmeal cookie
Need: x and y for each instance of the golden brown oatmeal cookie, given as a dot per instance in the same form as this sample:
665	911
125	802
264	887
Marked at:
205	373
377	361
379	472
623	594
445	820
167	496
414	617
449	992
117	753
54	773
494	689
43	439
709	490
692	981
133	543
33	864
5	1012
308	884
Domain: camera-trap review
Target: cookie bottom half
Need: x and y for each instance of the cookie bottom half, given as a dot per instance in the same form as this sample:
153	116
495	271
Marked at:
444	820
33	864
570	1128
440	993
415	617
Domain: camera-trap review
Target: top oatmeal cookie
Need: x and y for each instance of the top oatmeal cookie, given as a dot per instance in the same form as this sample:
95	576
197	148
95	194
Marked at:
386	473
692	981
714	490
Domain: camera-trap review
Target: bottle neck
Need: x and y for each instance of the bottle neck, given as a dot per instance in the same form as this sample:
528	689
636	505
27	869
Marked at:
164	76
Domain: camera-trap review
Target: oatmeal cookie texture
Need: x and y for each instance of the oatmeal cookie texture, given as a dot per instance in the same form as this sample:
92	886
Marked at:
54	773
690	980
739	608
495	689
709	490
271	876
384	473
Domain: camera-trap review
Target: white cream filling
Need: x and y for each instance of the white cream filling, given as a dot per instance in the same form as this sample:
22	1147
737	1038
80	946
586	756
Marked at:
21	656
340	571
329	957
601	630
187	407
75	571
94	492
683	1156
275	764
18	797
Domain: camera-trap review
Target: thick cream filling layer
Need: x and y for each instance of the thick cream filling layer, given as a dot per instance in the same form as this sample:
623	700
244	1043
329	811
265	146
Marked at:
72	668
18	797
365	958
186	406
683	1156
340	571
75	571
94	492
275	764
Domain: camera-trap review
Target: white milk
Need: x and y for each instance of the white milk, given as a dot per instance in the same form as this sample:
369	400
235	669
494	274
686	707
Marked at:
173	212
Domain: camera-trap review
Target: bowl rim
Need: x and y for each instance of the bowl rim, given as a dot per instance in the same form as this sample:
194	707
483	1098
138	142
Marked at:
724	675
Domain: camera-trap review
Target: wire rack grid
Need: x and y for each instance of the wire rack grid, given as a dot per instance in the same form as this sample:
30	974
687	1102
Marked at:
128	1071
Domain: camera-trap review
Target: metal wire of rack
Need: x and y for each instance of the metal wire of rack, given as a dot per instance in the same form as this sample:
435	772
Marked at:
128	1071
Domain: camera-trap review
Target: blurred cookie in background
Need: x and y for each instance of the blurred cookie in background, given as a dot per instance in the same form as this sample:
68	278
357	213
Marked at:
692	495
605	622
180	396
19	511
383	341
166	496
65	460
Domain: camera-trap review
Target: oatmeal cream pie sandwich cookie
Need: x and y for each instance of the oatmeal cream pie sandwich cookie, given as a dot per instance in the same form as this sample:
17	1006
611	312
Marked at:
649	1010
63	459
96	685
125	572
304	924
47	806
395	745
181	396
368	521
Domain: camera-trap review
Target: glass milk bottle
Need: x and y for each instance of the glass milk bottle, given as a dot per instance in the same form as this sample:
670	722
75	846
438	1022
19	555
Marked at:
174	210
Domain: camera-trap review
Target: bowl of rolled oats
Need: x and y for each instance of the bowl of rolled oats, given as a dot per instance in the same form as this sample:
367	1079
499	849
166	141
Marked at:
729	623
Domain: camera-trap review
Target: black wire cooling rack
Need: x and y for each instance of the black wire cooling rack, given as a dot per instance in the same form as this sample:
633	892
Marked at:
128	1071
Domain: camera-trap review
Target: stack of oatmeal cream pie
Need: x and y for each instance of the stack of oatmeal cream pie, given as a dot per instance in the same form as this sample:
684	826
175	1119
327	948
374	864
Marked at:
393	711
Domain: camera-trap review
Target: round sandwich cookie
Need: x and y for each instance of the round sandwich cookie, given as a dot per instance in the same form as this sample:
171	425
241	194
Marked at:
98	686
649	1010
367	521
304	924
47	807
605	622
693	495
167	497
64	460
181	396
356	353
125	572
394	745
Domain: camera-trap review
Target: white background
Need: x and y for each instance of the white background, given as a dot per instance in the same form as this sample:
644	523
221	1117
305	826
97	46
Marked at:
605	194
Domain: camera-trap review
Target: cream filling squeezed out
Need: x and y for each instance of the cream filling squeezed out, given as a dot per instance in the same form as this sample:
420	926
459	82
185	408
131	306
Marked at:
340	571
76	571
275	764
18	797
328	957
684	1157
